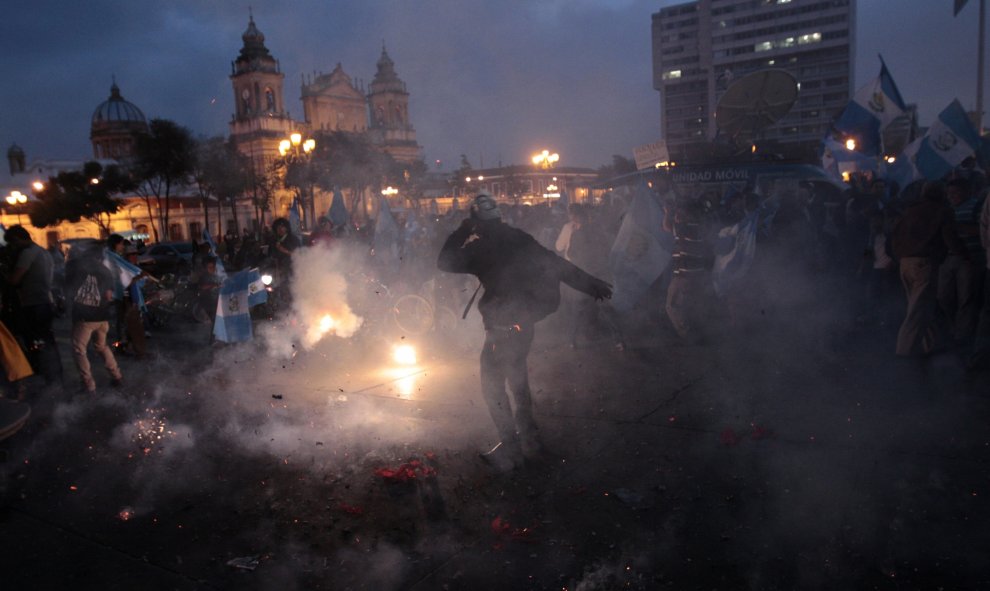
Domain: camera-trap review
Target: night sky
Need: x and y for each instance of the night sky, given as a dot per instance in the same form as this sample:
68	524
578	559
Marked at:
493	80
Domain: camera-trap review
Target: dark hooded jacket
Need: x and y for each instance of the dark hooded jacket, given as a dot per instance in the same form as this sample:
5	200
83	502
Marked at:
521	278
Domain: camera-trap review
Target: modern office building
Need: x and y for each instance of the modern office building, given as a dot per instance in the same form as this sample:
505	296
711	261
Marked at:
700	48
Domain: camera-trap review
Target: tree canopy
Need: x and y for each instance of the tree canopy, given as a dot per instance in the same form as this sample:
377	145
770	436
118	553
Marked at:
83	194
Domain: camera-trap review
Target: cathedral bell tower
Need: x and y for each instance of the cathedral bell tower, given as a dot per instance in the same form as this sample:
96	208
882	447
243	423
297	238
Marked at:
389	104
260	120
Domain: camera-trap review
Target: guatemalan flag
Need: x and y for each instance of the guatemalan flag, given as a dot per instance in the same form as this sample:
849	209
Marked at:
338	211
641	251
221	271
238	293
123	273
871	110
294	222
735	249
386	239
837	159
949	141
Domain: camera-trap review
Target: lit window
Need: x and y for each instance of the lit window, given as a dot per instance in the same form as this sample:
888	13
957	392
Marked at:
799	86
783	1
788	42
671	74
771	62
809	38
765	46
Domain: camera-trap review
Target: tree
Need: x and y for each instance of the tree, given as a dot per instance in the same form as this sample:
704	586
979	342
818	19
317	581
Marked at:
163	162
459	179
88	193
351	161
220	171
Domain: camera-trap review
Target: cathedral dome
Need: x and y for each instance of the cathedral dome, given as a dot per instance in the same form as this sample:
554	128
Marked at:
115	126
115	109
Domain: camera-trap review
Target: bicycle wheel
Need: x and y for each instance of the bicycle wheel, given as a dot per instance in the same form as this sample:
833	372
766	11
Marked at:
412	314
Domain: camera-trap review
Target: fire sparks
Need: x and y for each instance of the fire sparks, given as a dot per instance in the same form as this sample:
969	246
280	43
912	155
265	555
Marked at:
151	430
404	354
326	323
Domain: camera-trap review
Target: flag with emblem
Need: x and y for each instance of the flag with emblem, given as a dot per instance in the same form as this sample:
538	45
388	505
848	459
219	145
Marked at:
233	322
951	139
872	109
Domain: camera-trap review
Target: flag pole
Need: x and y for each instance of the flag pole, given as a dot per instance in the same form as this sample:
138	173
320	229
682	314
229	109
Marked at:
979	67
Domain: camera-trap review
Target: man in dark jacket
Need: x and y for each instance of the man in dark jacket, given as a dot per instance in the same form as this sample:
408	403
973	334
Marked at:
89	293
522	286
921	239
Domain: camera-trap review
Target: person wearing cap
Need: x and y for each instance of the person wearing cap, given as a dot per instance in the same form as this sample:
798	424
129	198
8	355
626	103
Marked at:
521	280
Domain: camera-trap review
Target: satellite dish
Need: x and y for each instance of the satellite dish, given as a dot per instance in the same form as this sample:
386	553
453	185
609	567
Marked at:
755	102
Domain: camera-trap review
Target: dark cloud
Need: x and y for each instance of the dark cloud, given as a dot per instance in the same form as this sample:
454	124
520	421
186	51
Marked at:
492	80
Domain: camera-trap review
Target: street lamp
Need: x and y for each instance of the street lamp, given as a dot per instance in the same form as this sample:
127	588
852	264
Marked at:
299	151
16	199
851	144
545	159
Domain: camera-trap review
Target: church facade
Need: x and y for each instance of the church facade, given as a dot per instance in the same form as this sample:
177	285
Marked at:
331	102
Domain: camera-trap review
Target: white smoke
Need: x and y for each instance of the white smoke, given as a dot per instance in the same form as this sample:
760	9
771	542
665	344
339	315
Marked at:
319	302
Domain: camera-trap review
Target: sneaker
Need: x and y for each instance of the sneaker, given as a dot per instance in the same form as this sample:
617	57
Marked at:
502	457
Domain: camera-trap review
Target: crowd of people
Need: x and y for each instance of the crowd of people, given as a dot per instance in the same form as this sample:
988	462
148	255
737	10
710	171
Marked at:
931	239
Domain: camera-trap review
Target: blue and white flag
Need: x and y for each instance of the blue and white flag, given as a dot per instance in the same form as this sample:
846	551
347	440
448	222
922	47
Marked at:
386	240
872	109
233	322
641	251
837	159
294	222
338	210
903	171
735	249
949	141
221	271
123	272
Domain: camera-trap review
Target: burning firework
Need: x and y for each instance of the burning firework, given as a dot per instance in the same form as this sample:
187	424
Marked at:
151	430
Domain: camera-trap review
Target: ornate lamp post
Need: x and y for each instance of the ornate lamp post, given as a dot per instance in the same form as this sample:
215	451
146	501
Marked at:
297	151
545	159
16	199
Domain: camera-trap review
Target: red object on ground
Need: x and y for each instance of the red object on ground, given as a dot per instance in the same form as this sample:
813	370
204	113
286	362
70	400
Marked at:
352	509
729	437
409	471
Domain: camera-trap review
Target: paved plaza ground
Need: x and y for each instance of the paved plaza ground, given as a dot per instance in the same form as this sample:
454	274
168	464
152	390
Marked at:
774	459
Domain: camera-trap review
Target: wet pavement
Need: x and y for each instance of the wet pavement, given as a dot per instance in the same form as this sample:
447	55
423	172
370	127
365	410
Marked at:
774	461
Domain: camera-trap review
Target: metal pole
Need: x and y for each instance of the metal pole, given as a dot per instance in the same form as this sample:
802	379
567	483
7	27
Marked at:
979	67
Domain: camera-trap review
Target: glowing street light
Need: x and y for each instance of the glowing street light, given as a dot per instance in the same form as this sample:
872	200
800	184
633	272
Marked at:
16	197
295	148
545	159
851	144
390	191
38	186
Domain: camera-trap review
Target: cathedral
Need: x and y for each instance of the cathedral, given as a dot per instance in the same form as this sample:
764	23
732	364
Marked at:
331	102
